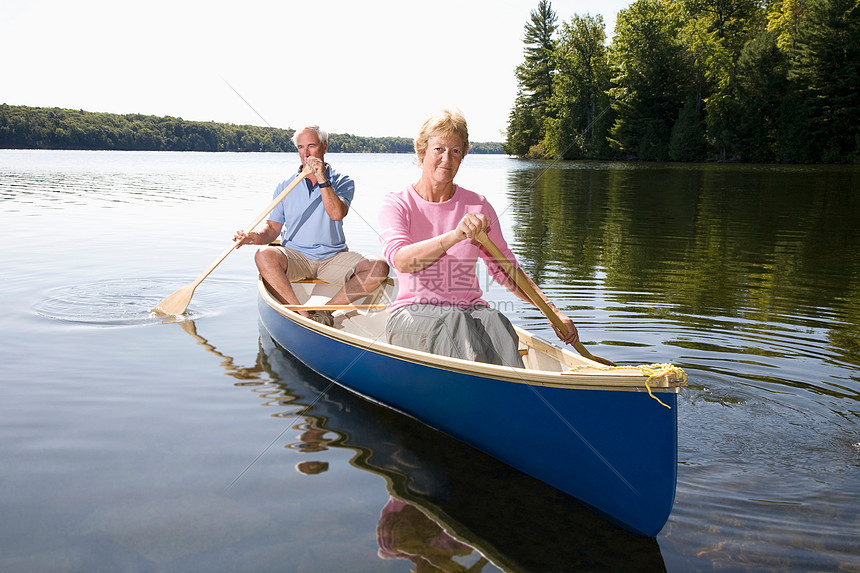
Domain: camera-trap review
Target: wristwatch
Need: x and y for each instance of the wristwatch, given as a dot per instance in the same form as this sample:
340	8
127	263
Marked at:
325	183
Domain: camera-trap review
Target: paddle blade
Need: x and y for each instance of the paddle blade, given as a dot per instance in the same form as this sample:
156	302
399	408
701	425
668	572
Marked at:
584	351
176	303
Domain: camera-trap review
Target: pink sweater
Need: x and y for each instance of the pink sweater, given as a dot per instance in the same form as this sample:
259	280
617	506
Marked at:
452	280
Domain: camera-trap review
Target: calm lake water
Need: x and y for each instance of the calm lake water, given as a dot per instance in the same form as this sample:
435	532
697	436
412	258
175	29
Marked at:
132	444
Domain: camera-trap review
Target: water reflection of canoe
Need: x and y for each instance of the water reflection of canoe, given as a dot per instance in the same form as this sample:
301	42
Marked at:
591	431
513	520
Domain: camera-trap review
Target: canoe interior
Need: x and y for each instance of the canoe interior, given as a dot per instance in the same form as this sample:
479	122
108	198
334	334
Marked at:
545	362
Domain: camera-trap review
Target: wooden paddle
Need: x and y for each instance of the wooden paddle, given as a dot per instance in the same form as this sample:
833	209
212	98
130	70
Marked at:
521	281
176	303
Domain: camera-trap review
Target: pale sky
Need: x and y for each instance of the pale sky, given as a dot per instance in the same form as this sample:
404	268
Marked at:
367	68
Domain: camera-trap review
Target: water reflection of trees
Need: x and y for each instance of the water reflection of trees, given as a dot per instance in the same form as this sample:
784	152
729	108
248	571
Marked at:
741	241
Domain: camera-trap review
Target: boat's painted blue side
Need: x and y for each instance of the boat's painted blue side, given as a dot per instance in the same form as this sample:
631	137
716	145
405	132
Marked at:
614	450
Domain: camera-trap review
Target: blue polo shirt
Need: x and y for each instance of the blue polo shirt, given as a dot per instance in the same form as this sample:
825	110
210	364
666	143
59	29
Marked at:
307	227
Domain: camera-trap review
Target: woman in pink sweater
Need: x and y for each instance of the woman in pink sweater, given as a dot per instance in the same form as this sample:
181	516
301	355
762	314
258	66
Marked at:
429	231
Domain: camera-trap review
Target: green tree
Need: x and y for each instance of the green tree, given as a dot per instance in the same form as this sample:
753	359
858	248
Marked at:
714	34
523	130
652	78
578	125
760	88
784	17
535	81
686	142
827	69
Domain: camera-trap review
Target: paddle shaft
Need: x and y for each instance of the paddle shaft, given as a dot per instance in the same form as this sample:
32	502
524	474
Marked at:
263	214
520	279
177	302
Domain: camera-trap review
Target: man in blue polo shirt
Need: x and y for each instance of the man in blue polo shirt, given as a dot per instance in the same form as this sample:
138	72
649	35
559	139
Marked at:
310	223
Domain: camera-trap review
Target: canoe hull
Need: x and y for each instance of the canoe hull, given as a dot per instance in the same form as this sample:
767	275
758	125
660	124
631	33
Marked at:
614	450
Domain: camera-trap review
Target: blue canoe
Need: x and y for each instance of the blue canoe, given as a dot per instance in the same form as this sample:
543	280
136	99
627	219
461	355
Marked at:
604	435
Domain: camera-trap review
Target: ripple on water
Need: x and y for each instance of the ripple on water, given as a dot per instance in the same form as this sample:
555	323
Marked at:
125	302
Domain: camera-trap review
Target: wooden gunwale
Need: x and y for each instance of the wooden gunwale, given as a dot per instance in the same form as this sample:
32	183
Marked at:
588	375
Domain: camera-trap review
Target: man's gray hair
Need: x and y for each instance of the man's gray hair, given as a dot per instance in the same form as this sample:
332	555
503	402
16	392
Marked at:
321	133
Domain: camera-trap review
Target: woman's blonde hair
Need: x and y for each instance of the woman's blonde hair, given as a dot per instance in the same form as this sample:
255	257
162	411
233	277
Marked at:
446	123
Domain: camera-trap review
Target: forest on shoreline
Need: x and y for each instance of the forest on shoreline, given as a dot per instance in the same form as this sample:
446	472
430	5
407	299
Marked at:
23	127
692	80
679	80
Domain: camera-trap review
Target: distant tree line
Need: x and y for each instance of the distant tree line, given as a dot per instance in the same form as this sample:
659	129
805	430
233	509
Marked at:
23	127
692	80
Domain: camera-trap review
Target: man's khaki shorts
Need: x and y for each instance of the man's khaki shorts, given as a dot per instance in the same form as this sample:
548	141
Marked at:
335	270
